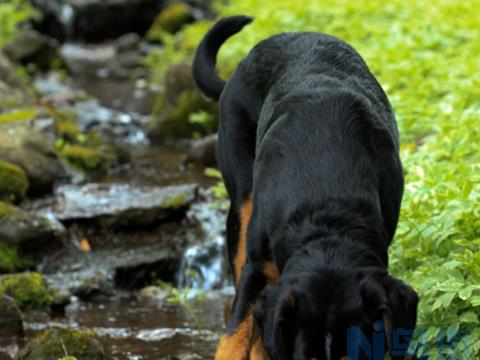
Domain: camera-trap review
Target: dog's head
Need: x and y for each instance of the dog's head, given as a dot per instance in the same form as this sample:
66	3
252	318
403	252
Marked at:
308	315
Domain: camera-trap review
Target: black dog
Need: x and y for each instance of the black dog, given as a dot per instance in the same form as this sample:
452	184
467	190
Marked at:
308	147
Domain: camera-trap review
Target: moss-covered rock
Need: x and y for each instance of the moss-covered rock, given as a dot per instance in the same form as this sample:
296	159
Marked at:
179	102
52	344
177	200
13	182
5	209
29	149
202	152
175	121
10	259
31	47
65	124
171	19
29	290
13	93
88	158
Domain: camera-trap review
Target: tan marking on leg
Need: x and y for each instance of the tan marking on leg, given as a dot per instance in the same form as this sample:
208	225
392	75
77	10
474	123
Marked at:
237	346
241	255
227	312
258	351
270	270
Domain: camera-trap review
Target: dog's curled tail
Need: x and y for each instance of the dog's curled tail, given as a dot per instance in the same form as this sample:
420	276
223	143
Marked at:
204	73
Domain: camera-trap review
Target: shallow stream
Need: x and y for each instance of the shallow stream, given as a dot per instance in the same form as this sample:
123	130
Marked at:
136	324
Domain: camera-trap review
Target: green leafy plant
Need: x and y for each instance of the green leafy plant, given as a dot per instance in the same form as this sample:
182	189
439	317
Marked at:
219	189
184	297
205	120
12	14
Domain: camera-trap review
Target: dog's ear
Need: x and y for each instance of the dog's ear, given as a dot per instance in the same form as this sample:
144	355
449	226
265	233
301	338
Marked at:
284	323
274	312
390	300
377	136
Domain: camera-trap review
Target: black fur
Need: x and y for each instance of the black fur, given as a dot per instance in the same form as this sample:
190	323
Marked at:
204	72
306	128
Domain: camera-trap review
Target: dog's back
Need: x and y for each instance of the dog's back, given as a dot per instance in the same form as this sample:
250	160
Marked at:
292	65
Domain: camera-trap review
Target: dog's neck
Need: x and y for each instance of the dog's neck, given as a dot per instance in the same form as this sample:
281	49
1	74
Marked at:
337	228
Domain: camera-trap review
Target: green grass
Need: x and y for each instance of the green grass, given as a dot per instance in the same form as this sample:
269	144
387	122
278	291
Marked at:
426	56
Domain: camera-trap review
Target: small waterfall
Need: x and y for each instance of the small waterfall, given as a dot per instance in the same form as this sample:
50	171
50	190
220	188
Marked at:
205	264
66	15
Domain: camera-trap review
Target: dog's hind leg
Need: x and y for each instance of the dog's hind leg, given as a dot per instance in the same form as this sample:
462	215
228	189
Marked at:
236	154
241	340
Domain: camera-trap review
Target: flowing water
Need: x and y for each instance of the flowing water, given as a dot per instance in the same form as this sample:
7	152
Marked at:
131	325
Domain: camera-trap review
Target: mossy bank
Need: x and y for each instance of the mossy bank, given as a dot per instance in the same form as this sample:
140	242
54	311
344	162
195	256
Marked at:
57	343
29	290
13	182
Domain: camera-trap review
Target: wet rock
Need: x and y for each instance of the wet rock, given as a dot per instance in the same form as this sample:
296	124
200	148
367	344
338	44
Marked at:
11	323
7	72
33	235
128	42
13	182
178	78
127	258
172	19
32	47
97	273
202	152
52	344
189	356
147	270
122	206
98	283
12	90
21	145
56	90
29	290
109	123
60	299
96	20
154	293
180	101
116	60
85	284
110	72
88	60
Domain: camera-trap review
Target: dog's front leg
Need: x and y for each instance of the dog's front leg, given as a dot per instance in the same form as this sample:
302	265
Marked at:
237	343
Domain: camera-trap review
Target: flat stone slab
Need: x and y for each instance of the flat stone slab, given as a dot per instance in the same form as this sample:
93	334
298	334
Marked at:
123	205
